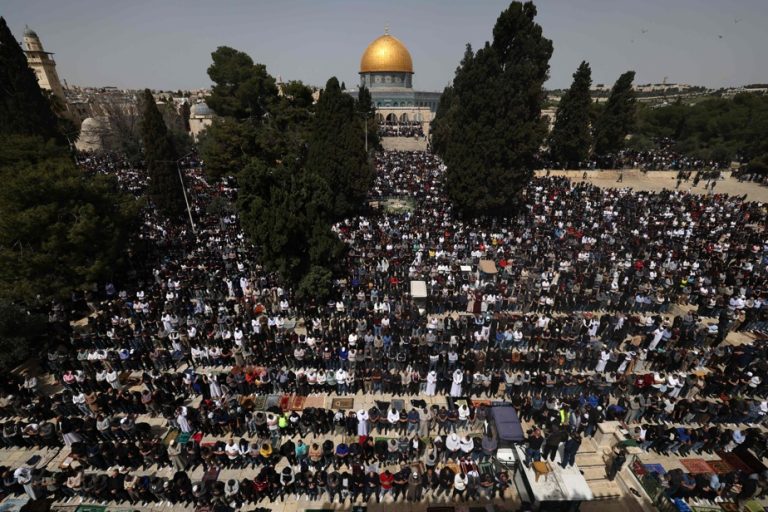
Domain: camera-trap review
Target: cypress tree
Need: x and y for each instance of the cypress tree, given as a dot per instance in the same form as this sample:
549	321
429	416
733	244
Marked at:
337	150
367	113
492	131
617	120
160	157
570	141
24	110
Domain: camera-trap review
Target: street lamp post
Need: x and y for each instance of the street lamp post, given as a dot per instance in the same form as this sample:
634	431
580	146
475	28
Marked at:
183	188
186	200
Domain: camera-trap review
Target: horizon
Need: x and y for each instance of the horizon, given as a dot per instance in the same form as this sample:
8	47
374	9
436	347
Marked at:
167	46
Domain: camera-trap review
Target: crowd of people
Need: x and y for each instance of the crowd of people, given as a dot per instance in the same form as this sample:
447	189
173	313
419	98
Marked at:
403	129
597	304
662	157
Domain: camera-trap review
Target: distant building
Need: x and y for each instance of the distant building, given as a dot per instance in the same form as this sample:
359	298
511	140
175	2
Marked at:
200	117
42	64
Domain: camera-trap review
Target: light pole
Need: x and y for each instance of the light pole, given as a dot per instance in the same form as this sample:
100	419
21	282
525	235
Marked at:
183	188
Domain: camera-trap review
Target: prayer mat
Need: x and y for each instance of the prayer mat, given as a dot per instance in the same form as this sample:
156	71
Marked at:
314	402
398	404
457	401
734	461
753	506
211	475
170	436
343	403
478	403
419	403
696	466
655	468
272	401
197	437
247	402
259	403
183	437
719	467
639	469
284	402
91	508
382	406
297	404
746	456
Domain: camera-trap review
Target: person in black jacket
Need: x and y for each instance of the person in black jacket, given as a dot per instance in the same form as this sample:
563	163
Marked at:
372	486
552	442
445	480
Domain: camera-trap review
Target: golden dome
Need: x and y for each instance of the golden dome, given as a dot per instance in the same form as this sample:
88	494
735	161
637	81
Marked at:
386	53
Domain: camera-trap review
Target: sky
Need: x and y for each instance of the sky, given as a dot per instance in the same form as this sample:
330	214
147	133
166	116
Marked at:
166	44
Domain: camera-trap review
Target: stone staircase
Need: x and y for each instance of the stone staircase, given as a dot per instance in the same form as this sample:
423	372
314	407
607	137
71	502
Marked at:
590	461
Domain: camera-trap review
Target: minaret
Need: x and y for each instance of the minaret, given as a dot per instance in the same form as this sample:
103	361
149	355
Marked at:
42	64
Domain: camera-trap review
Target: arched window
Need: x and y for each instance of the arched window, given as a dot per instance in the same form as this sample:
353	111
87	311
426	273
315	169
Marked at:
404	118
391	119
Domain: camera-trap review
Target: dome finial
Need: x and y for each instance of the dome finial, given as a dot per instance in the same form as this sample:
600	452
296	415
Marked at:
386	29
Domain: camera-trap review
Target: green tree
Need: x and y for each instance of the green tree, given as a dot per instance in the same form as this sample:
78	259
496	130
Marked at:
442	125
285	212
160	157
59	230
367	111
20	333
718	129
570	141
226	146
337	150
185	112
242	89
24	109
618	117
491	132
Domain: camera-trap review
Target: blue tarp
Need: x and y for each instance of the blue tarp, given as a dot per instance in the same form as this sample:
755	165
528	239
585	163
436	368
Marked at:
507	424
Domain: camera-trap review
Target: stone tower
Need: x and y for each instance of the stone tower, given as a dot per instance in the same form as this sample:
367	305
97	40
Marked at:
42	64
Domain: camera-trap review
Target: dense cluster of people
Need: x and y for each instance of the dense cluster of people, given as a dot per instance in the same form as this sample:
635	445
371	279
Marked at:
402	129
597	304
662	157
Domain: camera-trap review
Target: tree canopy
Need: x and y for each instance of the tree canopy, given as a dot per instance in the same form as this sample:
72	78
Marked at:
718	129
367	111
242	89
571	141
299	166
160	157
617	118
337	150
489	127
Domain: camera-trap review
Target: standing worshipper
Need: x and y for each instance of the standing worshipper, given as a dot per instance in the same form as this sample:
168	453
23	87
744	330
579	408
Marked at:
177	456
431	383
458	377
181	420
362	423
569	452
